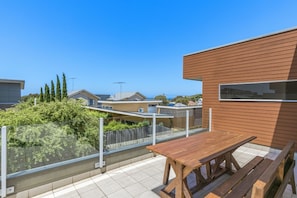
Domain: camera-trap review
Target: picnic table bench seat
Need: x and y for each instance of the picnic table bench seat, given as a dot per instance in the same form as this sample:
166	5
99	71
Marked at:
261	177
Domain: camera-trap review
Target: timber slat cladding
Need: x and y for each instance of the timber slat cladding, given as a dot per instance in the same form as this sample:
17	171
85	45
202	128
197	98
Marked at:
268	58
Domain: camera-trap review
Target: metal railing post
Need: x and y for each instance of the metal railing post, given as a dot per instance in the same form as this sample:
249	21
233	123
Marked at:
210	120
3	161
187	123
154	129
101	143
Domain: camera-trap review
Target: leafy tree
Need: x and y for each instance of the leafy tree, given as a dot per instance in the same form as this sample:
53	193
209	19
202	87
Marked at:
47	93
163	98
116	126
53	95
58	89
64	89
29	97
41	98
183	100
195	97
48	133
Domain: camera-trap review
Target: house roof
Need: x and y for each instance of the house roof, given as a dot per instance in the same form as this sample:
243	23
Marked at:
89	94
21	82
135	114
125	96
179	107
103	96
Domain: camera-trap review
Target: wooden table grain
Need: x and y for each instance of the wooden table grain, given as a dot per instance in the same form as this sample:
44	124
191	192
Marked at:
189	154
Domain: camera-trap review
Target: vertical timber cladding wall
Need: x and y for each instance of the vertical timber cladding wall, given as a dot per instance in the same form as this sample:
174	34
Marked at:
268	58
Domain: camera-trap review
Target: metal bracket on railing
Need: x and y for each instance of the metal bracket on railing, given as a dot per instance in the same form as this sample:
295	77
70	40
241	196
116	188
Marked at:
9	190
98	165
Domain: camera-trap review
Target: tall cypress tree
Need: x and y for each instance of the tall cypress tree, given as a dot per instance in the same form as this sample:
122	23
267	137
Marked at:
58	89
47	93
53	95
41	95
64	89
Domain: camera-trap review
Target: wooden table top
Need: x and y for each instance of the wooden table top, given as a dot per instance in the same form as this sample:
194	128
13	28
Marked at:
196	150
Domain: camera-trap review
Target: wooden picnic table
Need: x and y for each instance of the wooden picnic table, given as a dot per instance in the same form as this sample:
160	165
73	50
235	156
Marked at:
189	154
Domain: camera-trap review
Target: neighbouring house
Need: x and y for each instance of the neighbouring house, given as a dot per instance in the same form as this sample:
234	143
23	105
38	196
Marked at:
131	107
129	102
10	92
127	96
88	98
251	86
179	113
144	106
192	103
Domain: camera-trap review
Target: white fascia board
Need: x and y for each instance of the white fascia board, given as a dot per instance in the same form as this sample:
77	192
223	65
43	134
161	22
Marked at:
130	102
179	108
135	114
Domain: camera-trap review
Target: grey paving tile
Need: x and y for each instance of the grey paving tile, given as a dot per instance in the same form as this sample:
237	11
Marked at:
149	194
144	179
39	190
152	171
125	181
159	177
136	189
85	186
101	177
23	194
108	186
139	176
151	183
67	191
92	193
121	193
46	195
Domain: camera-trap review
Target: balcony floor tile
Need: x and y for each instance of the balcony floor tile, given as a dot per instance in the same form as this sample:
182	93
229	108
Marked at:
144	179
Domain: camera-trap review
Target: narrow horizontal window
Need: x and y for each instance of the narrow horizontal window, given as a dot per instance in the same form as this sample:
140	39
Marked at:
263	91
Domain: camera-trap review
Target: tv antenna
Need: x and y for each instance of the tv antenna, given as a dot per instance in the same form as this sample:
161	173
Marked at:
120	83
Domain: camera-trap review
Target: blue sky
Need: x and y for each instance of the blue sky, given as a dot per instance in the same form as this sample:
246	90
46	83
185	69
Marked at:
139	42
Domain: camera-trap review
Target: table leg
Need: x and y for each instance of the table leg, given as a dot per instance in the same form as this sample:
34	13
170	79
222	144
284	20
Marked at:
186	191
179	179
199	176
235	163
228	165
231	160
179	183
208	171
166	172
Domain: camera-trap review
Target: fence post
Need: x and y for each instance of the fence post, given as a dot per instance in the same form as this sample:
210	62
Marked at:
3	161
210	120
154	128
187	123
101	143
